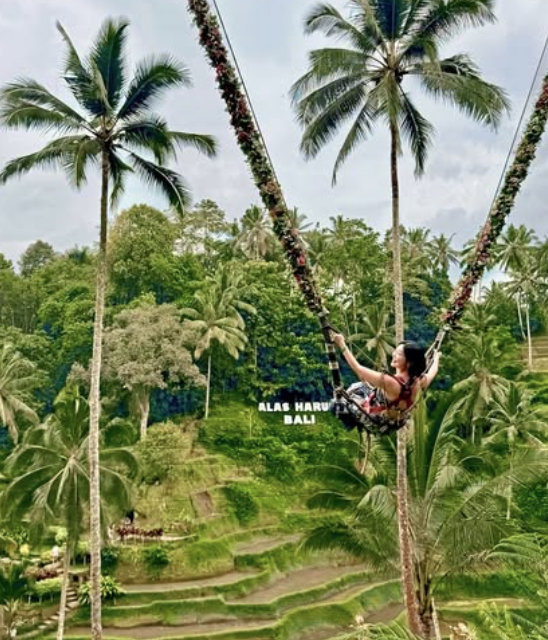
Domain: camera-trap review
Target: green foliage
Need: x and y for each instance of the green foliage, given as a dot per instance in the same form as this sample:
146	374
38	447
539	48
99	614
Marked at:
155	558
273	450
242	503
141	253
206	553
109	559
110	590
159	453
49	588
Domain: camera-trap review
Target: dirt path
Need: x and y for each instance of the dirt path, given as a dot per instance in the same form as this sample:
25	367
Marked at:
299	580
227	578
264	544
503	602
385	614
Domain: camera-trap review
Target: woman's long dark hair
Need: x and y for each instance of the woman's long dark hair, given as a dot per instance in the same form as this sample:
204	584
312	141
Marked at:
416	359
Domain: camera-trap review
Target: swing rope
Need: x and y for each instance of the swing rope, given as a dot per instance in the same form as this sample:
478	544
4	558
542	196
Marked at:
253	144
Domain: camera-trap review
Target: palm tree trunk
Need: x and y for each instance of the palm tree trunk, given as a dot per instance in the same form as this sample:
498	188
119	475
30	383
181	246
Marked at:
64	589
520	318
94	413
406	551
529	341
208	385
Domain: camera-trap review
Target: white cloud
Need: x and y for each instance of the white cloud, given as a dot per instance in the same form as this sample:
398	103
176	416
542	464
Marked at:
462	171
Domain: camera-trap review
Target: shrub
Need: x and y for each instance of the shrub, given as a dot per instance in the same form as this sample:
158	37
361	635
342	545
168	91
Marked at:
109	560
110	590
49	588
242	503
158	454
155	558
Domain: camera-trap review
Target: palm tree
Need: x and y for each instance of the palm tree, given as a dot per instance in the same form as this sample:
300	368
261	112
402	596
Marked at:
377	334
318	248
474	395
525	285
114	121
455	519
513	246
298	220
17	379
522	550
256	235
51	478
217	319
14	588
515	421
441	253
387	42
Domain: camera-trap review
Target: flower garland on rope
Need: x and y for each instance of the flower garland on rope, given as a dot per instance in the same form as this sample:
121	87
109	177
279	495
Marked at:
251	144
502	207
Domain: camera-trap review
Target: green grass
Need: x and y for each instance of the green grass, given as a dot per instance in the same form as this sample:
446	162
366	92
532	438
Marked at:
287	626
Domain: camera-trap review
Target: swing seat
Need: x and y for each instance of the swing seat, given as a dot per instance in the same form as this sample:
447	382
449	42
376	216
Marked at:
348	409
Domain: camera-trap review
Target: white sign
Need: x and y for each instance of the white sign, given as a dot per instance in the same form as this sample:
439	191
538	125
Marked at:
304	411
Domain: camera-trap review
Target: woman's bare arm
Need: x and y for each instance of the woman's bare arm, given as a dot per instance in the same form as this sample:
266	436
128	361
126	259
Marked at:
429	376
365	374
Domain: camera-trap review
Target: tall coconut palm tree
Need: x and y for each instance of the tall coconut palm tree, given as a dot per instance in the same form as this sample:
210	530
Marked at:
51	478
216	317
525	286
256	235
112	124
17	379
388	43
362	83
377	333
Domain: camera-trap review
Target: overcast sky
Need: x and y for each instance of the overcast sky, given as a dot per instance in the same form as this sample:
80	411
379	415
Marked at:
453	197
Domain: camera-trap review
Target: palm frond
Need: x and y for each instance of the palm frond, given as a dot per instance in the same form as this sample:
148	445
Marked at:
327	19
443	20
58	154
203	143
359	132
457	80
152	76
28	115
165	180
416	129
107	57
30	92
149	133
118	170
80	80
325	126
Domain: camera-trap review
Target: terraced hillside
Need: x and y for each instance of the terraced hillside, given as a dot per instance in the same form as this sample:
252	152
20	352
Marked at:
211	575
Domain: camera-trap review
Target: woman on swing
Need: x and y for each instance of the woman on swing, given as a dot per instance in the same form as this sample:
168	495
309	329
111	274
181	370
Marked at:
386	399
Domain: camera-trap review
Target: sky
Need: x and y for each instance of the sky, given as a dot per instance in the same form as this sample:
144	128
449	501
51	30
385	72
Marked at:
453	197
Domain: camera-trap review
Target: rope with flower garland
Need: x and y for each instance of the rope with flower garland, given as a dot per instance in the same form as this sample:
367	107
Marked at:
496	220
253	146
